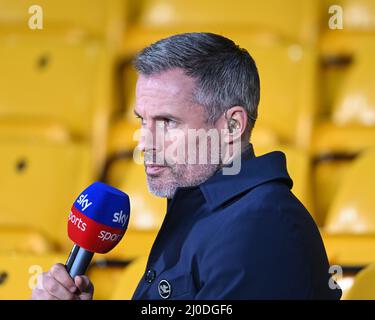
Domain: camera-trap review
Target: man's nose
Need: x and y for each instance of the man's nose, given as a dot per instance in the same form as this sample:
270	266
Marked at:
150	139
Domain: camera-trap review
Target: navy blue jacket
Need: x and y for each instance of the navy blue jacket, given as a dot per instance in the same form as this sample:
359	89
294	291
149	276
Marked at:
243	236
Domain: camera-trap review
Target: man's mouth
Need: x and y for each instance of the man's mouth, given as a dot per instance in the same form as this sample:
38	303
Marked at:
152	169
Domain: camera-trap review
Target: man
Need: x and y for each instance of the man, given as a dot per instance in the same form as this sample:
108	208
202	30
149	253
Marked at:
226	235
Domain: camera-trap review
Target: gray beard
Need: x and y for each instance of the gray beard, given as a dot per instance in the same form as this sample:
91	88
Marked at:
180	176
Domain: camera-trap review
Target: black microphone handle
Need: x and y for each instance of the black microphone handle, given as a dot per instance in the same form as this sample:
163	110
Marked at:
78	261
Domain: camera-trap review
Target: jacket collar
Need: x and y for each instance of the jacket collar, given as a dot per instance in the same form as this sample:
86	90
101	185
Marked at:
254	171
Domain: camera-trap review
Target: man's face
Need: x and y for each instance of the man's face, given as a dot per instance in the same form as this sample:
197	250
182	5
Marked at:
164	103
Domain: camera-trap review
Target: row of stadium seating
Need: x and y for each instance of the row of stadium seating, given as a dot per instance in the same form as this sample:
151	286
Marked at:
299	21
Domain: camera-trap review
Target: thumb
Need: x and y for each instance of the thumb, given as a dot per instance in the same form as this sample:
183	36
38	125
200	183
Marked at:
85	287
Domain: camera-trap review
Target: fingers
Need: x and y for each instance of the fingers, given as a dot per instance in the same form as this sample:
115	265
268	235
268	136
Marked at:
56	289
55	284
59	272
58	285
85	287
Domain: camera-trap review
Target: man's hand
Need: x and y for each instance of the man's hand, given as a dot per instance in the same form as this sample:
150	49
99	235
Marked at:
56	284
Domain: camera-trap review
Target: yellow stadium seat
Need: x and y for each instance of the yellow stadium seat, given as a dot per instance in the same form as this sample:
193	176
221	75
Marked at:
351	219
355	103
292	20
129	279
39	182
327	178
298	163
98	18
350	128
353	209
18	273
54	81
341	49
335	147
363	286
287	106
50	79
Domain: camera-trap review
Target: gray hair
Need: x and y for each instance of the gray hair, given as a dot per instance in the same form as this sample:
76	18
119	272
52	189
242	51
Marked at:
225	74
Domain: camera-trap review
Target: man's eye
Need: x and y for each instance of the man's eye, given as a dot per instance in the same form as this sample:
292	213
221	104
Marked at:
170	123
165	123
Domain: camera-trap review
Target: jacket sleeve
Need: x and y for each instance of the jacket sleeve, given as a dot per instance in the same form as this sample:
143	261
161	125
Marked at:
257	257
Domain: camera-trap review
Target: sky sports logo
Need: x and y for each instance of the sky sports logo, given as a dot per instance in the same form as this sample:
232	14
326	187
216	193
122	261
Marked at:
78	222
120	218
103	232
83	201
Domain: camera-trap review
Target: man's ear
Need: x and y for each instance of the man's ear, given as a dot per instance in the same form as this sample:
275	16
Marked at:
234	121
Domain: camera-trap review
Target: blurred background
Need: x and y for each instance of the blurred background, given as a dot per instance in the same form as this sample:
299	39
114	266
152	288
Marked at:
66	100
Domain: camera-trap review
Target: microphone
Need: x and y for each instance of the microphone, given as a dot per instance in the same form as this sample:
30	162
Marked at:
97	222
